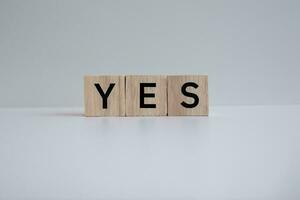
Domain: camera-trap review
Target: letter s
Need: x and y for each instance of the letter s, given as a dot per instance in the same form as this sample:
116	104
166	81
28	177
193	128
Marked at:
188	94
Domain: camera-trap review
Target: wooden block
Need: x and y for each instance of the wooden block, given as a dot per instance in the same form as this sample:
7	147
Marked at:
187	95
104	95
146	95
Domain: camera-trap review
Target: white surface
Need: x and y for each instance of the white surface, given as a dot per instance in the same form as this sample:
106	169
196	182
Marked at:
236	153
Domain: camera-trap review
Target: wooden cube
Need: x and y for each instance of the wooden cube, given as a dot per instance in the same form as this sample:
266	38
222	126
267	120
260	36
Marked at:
146	95
104	95
187	95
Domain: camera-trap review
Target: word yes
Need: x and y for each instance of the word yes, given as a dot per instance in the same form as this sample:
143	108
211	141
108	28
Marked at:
146	95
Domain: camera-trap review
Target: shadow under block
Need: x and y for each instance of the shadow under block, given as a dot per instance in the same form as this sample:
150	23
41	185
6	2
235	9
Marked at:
146	95
97	87
187	95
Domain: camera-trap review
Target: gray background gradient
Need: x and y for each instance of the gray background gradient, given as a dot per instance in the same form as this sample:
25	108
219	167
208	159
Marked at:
249	49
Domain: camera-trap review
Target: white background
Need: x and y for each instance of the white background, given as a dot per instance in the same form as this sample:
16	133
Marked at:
249	49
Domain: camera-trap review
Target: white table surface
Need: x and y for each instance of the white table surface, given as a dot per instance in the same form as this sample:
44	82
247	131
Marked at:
238	152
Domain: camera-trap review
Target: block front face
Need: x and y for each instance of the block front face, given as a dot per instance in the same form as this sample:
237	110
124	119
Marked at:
104	96
146	95
187	95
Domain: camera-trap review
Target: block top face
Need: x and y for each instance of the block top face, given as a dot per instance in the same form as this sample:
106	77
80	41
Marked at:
146	95
104	95
188	95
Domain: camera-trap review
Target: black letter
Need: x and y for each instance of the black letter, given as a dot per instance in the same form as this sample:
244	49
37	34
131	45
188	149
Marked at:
143	95
194	96
104	95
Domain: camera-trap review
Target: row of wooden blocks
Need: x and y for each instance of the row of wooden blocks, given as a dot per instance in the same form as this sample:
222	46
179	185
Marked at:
142	95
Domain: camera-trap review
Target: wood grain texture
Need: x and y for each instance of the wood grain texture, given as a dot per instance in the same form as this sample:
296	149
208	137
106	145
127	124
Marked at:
133	96
175	96
94	102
